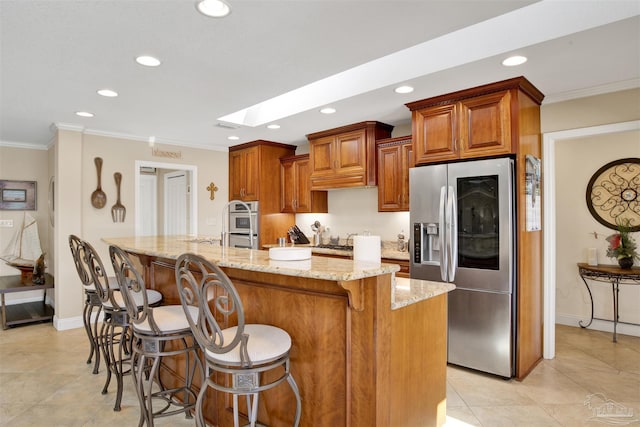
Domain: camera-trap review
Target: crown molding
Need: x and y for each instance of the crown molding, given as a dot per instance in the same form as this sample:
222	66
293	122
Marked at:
592	91
13	144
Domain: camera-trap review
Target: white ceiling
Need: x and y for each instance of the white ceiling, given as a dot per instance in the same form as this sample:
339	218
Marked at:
55	55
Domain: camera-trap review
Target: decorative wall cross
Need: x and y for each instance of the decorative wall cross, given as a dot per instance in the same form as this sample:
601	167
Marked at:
212	189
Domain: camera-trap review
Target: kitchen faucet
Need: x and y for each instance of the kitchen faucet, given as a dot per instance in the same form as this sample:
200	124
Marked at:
350	236
224	235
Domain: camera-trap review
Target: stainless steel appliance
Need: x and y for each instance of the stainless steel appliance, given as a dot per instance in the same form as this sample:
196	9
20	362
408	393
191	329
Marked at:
463	217
243	219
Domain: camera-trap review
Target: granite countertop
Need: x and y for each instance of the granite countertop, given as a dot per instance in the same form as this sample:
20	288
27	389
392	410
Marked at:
317	267
404	291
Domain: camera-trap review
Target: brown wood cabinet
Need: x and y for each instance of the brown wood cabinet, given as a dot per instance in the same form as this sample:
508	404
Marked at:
295	187
497	119
254	175
395	157
346	156
473	123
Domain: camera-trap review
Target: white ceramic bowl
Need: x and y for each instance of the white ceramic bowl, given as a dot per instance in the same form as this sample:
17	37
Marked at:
289	253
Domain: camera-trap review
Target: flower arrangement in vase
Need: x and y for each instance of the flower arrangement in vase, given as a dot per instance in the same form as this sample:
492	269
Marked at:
622	246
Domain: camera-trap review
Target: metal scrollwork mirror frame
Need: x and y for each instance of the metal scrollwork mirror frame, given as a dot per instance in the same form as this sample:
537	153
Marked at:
613	193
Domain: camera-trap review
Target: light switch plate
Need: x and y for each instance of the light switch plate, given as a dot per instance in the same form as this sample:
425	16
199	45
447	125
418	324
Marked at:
6	223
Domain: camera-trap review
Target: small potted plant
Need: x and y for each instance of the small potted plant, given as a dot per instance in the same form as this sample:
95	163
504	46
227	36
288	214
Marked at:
622	246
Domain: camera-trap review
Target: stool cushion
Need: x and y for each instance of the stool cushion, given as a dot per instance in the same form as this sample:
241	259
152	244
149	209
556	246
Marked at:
169	318
153	297
266	343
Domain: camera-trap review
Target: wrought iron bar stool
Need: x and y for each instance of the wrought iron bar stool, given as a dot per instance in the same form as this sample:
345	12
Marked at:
244	351
92	299
115	334
158	332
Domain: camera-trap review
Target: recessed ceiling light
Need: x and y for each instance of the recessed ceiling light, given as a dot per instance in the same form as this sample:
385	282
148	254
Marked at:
512	61
108	93
233	138
148	61
213	8
328	110
84	114
273	126
403	89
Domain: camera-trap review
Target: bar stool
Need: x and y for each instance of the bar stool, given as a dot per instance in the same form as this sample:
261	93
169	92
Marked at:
158	332
115	335
244	351
92	300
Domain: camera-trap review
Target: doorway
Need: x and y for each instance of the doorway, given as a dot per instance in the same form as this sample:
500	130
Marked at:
165	204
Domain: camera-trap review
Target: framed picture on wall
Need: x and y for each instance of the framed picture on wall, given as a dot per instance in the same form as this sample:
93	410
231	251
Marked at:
17	195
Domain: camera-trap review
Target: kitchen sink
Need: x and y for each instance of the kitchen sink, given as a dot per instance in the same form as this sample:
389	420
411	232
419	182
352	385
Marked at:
336	247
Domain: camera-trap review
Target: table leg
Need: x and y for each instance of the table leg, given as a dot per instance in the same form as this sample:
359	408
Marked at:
4	314
616	292
591	299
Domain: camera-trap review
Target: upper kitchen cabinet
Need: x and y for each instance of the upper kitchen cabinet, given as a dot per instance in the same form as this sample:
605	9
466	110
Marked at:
254	169
472	123
295	187
345	156
395	157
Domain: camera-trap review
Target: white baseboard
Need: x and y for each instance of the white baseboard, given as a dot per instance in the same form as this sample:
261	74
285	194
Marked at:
598	325
68	323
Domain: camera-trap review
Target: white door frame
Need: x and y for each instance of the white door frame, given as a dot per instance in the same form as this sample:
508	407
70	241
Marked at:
193	209
549	232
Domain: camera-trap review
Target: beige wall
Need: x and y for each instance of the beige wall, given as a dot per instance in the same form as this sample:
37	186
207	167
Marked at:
25	165
576	160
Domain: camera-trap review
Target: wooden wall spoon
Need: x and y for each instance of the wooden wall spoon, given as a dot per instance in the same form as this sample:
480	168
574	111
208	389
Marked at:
98	198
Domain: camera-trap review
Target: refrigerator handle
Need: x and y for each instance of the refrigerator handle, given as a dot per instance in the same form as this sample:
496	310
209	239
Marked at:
442	233
452	231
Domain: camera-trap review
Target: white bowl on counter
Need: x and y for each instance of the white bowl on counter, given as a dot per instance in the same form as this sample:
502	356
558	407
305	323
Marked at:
290	253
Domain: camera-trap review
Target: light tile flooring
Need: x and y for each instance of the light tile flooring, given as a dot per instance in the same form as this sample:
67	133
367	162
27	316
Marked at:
44	381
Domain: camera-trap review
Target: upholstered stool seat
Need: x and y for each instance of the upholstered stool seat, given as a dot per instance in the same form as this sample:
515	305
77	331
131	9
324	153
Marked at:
266	343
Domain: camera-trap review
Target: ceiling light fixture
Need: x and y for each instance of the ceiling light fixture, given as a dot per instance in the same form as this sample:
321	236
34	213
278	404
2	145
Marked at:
233	138
148	61
84	114
108	93
213	8
273	126
403	89
328	110
512	61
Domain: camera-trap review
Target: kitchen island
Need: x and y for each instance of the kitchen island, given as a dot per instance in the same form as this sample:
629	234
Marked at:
368	349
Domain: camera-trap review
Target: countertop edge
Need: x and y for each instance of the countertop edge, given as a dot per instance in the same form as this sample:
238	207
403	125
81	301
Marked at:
405	292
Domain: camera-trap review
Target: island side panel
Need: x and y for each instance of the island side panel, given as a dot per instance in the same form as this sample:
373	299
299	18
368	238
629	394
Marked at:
419	361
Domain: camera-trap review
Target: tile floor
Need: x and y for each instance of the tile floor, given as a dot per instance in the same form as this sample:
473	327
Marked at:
45	382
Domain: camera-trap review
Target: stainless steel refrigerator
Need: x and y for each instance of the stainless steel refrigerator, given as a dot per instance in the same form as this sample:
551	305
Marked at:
463	217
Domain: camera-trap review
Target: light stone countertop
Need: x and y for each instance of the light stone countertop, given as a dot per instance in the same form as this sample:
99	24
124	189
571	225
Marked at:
385	252
316	267
404	291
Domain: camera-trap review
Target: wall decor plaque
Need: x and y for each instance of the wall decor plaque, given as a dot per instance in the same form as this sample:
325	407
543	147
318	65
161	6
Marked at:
18	195
613	193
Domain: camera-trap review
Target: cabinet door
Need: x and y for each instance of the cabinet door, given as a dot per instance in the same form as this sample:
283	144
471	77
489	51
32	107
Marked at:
435	133
321	153
390	178
252	179
485	125
287	185
350	153
303	186
236	174
407	162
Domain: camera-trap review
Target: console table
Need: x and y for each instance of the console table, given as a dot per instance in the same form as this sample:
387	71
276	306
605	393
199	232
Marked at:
27	312
614	275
